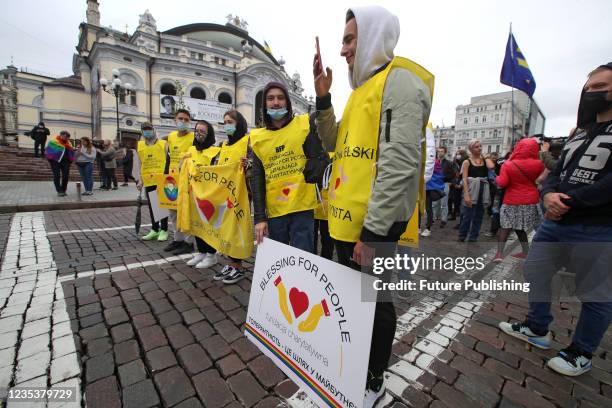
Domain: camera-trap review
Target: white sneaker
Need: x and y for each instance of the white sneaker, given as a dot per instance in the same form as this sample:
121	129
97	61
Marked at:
523	332
196	259
206	262
570	362
426	233
371	397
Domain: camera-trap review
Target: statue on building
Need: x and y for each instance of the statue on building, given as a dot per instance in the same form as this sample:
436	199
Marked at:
237	22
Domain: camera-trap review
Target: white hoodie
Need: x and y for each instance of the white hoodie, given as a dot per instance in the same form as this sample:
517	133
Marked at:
377	34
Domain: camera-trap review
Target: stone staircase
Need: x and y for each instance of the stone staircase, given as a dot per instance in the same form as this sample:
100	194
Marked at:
20	164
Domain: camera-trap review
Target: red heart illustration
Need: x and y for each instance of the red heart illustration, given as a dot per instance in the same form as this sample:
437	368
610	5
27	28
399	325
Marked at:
337	183
208	209
229	203
286	191
299	301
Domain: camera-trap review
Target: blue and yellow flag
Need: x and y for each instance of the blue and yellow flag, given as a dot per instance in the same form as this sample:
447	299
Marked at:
515	71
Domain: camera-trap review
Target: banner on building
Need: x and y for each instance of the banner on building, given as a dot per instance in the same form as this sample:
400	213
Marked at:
167	190
304	313
218	207
200	109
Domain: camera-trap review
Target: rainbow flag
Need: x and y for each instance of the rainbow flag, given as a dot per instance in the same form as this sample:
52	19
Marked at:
56	149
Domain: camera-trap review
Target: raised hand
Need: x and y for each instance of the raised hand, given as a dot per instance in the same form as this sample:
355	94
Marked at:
322	79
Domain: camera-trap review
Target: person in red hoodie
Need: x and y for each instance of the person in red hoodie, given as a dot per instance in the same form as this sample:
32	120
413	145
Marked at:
520	210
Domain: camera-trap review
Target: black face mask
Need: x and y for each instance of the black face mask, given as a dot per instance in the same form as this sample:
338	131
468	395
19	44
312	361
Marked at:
596	102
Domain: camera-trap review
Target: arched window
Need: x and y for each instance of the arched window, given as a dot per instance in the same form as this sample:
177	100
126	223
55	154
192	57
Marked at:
168	89
197	93
224	97
258	108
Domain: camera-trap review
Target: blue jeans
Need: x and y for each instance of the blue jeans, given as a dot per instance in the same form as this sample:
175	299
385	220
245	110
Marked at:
471	220
295	229
440	207
586	251
404	273
86	172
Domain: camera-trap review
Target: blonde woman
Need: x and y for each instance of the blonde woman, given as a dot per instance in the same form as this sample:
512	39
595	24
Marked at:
476	196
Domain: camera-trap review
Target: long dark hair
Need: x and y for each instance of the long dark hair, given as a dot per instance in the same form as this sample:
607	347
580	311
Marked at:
241	125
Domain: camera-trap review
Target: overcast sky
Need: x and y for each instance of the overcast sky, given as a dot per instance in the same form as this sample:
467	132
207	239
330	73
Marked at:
461	43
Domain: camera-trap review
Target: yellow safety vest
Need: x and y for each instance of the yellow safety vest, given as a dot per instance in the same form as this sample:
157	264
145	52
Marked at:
204	157
356	153
232	153
152	160
283	160
177	147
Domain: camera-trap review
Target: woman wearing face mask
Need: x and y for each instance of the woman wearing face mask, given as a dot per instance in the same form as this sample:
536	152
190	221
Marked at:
232	151
151	160
202	153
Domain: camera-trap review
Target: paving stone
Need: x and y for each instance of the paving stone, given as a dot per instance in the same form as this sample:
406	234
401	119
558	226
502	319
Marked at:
143	320
32	367
140	395
37	313
450	396
99	367
98	346
246	388
107	293
524	397
227	303
122	333
228	330
115	316
112	302
229	365
212	389
152	337
504	370
169	318
160	306
416	397
237	316
194	359
103	394
216	347
179	336
491	351
185	306
154	295
29	347
178	296
174	385
160	359
7	356
561	399
65	367
91	320
92	333
286	389
126	351
190	403
89	309
192	316
35	328
8	339
201	330
476	390
131	373
137	307
266	371
213	314
479	373
245	349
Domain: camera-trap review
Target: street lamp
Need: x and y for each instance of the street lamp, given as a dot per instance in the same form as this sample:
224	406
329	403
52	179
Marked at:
115	88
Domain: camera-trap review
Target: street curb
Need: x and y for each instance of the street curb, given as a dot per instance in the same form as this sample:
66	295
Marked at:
78	205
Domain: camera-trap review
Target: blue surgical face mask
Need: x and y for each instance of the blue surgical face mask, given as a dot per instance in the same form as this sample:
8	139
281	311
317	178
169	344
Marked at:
277	114
148	134
182	126
230	129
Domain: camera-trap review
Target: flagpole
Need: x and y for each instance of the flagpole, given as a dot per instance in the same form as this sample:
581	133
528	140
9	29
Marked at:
512	80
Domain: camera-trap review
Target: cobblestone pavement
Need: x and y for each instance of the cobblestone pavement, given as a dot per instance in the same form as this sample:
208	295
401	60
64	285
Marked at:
23	193
85	304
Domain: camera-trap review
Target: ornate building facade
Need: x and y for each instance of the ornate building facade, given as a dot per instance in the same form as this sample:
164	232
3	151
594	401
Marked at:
205	66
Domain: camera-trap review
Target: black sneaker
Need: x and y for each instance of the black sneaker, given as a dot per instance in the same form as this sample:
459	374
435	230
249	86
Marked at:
172	246
225	272
234	276
184	248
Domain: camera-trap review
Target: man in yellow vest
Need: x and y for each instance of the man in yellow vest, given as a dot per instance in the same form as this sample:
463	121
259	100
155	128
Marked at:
179	142
376	168
282	200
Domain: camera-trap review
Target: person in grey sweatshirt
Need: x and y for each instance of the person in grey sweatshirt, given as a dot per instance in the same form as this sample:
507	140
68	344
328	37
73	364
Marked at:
85	158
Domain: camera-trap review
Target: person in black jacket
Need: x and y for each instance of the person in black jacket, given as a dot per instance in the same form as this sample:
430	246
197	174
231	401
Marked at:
39	133
577	232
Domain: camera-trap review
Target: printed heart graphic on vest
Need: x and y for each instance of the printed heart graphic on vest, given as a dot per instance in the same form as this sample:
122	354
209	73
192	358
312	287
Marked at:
286	191
299	301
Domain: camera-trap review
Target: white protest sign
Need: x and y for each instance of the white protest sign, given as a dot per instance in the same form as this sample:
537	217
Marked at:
158	212
306	314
